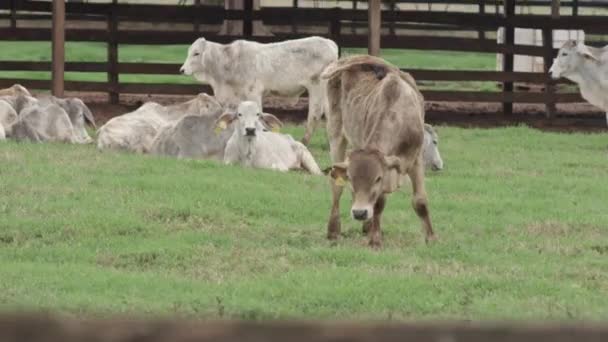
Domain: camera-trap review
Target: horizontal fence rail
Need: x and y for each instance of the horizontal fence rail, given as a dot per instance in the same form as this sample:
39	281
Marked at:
339	23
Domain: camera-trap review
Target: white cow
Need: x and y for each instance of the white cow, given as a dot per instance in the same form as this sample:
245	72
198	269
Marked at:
586	66
49	123
193	136
14	90
8	116
246	70
78	113
10	107
2	133
135	131
253	146
430	149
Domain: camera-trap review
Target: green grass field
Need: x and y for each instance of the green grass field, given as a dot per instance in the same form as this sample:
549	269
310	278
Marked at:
96	52
521	216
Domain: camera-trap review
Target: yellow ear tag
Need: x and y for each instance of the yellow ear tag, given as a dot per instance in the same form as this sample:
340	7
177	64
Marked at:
340	181
276	129
220	127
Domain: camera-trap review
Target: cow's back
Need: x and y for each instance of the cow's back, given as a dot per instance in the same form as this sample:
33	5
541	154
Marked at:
133	131
380	110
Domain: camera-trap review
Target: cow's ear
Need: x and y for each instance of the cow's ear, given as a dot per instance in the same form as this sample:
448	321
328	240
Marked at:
393	163
584	51
338	172
429	128
223	121
201	44
272	121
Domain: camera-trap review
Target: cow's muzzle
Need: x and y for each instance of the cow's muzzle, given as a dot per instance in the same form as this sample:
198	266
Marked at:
360	215
250	132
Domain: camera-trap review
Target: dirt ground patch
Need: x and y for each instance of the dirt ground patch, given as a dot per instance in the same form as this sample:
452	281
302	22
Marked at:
569	117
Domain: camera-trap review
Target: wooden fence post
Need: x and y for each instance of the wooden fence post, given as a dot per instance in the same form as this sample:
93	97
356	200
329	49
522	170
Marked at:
574	8
481	34
13	14
507	58
353	27
58	47
335	28
294	26
247	20
375	27
547	60
113	55
197	24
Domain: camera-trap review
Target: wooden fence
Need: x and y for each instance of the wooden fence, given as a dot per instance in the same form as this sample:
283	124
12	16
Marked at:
48	329
333	18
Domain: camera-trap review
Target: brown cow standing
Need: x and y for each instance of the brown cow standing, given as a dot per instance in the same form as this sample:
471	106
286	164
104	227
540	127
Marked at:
377	111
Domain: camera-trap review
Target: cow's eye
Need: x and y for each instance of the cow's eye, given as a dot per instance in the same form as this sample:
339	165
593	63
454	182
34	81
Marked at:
434	142
564	54
239	114
196	54
378	179
259	114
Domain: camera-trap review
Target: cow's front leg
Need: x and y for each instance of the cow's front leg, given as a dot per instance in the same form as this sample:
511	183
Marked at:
375	233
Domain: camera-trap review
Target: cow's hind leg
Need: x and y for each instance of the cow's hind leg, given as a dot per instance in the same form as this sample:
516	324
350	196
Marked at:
315	111
420	201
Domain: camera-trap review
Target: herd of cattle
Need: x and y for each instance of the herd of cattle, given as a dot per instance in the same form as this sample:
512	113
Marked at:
375	118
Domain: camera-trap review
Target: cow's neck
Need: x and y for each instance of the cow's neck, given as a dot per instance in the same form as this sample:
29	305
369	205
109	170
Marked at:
587	78
213	63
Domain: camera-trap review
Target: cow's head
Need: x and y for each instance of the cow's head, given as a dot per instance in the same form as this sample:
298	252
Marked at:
569	57
370	174
79	114
249	120
431	155
194	60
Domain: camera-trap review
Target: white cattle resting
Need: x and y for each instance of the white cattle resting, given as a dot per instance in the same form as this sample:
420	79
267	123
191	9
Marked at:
8	116
48	123
136	131
586	66
430	149
2	133
15	90
246	71
79	114
253	146
10	107
193	136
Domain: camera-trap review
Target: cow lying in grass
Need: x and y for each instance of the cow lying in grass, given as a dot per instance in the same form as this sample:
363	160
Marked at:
46	119
253	146
136	131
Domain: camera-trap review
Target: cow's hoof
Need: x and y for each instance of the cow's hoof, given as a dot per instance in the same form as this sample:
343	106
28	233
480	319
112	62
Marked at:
375	244
430	239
